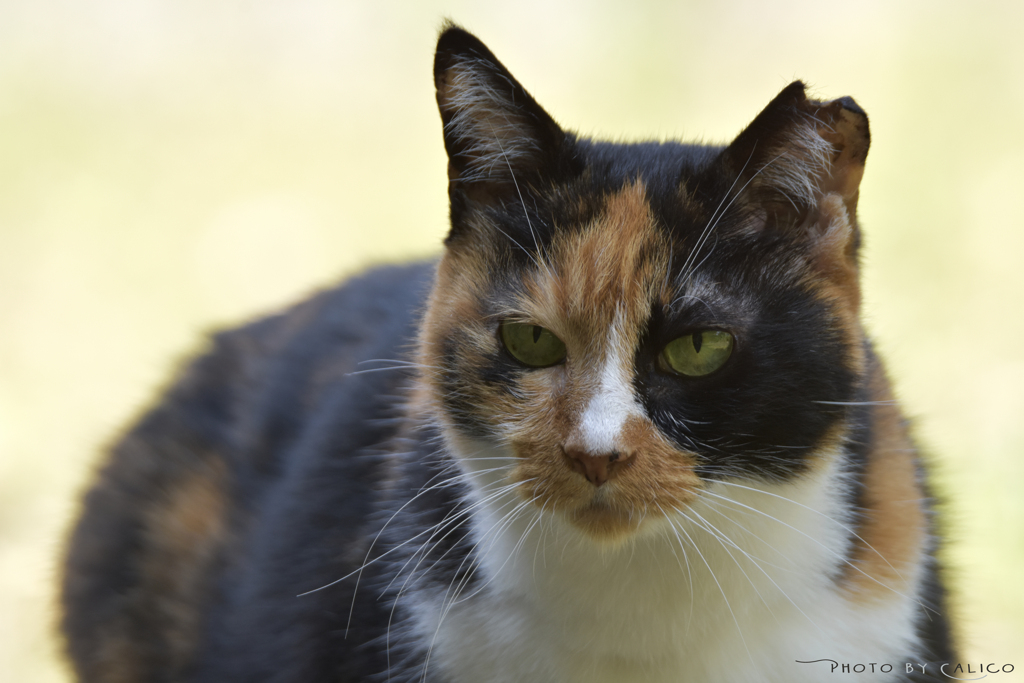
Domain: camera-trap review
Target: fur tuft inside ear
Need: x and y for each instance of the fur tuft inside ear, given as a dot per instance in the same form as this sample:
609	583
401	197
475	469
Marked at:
495	133
798	150
800	163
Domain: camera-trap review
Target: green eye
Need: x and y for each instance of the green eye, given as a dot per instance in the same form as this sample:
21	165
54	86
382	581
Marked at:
699	353
532	345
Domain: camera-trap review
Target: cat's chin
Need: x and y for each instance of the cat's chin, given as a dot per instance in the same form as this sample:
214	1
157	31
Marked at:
605	522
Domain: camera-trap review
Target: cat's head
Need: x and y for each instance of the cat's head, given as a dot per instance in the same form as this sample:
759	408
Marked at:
627	322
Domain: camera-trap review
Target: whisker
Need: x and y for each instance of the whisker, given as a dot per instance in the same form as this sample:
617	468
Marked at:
716	507
448	603
536	244
712	221
739	630
811	538
686	269
465	515
367	562
842	526
718	536
689	573
762	570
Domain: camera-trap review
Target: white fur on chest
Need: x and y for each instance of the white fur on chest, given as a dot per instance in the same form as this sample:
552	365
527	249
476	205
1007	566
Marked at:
734	591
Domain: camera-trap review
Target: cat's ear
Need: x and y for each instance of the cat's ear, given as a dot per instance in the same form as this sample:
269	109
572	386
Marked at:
495	133
800	163
798	150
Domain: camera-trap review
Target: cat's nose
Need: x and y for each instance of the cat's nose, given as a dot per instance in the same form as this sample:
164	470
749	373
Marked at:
597	468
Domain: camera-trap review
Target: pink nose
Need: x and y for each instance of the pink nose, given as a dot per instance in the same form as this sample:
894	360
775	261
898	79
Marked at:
596	468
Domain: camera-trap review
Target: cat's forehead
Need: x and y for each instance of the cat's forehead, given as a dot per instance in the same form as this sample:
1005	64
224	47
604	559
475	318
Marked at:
639	241
681	185
618	252
608	268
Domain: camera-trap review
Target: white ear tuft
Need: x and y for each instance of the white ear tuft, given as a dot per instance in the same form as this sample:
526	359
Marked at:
489	132
496	135
798	150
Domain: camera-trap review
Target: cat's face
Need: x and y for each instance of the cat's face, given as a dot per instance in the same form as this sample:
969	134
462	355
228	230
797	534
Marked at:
630	322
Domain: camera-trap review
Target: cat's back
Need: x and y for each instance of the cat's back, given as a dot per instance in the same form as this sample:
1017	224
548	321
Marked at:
201	482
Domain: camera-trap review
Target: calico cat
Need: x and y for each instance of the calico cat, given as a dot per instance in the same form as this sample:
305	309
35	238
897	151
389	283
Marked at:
628	428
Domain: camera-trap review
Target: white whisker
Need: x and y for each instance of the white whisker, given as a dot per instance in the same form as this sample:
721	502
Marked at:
711	571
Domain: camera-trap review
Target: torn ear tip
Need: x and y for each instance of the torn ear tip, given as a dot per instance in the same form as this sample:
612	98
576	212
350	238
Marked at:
849	104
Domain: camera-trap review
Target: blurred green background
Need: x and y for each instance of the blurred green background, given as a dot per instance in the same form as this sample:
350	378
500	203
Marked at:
169	167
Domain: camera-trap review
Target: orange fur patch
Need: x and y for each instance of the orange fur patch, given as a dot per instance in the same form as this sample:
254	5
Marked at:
893	530
118	658
194	512
185	532
158	623
835	275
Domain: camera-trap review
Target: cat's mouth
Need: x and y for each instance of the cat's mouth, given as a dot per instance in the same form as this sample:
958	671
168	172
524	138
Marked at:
605	519
636	495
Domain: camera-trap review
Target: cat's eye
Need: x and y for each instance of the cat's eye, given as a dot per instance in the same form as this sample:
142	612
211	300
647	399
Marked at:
532	345
698	353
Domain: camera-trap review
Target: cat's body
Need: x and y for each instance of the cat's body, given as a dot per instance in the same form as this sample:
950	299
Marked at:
505	467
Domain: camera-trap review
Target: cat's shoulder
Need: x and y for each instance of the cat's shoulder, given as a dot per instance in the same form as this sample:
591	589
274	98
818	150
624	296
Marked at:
213	470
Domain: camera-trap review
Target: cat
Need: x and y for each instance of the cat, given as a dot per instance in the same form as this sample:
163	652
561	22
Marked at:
628	427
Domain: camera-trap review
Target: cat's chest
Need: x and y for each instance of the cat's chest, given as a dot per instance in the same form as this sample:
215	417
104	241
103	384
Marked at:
722	597
499	642
655	633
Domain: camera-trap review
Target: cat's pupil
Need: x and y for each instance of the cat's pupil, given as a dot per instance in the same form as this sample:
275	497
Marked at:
537	329
698	341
